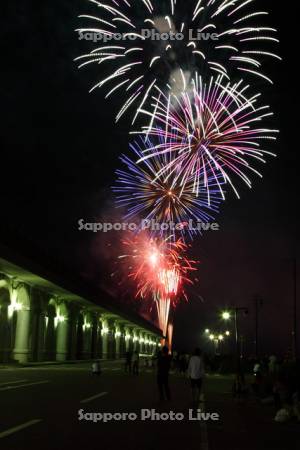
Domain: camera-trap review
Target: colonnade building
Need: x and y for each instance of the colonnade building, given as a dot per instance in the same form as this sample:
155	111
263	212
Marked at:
45	318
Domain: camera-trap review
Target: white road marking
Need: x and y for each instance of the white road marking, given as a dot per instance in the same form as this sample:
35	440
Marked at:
12	382
86	400
8	388
19	428
203	426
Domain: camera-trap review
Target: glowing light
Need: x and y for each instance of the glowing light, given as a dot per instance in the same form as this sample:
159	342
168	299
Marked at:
14	304
212	337
227	333
104	330
154	258
86	326
59	319
14	307
226	315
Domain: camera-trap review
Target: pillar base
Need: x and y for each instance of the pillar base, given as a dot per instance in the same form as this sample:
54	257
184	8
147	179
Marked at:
21	356
61	357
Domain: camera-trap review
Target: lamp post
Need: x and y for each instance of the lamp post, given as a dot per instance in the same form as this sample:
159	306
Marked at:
217	339
227	315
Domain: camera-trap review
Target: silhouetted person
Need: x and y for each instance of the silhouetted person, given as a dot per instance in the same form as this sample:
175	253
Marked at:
196	374
128	360
136	363
96	368
182	363
163	368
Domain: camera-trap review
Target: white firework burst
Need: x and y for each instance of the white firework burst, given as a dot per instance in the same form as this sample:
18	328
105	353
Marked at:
211	36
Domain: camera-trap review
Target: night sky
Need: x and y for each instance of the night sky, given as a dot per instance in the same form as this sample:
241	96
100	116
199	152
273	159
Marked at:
59	152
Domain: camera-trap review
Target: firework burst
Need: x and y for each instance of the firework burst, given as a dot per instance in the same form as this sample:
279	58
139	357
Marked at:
214	36
208	131
158	266
160	269
163	199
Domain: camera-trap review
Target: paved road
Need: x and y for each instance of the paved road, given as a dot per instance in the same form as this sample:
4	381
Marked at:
39	408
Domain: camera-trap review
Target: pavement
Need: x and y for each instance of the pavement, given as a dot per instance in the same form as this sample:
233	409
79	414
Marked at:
40	407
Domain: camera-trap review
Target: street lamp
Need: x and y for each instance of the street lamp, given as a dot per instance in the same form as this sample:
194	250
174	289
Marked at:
226	315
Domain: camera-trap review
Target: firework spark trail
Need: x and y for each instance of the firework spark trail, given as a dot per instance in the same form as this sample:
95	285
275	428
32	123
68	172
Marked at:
163	305
210	130
165	199
160	269
158	266
170	336
136	65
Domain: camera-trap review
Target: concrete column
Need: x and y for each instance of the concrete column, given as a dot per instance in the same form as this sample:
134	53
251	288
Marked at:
5	320
128	339
104	336
95	337
135	342
145	343
21	350
153	350
62	340
50	333
118	335
4	333
122	341
41	335
149	345
99	339
73	320
142	345
87	339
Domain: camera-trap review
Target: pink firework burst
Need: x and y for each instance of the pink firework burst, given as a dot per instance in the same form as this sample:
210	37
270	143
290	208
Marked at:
209	129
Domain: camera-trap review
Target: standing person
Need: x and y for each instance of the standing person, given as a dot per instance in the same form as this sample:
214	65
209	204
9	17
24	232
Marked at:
96	368
128	359
163	368
136	363
182	364
196	374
